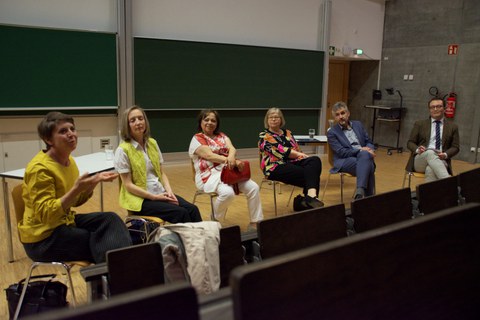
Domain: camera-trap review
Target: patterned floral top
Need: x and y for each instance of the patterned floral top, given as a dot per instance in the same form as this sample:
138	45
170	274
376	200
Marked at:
275	149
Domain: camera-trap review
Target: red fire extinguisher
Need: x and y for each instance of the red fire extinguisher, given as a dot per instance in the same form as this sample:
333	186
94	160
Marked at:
450	107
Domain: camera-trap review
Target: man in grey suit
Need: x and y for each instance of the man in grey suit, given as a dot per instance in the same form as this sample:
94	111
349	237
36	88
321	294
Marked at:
353	151
433	142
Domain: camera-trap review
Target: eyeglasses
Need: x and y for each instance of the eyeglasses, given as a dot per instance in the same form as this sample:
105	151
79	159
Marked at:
274	117
436	107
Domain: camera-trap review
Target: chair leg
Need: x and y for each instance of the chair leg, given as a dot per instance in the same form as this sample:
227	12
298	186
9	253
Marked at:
211	205
341	187
24	291
290	198
70	283
274	197
194	197
326	184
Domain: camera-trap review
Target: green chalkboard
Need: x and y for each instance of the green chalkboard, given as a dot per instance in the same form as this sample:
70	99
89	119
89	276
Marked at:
49	68
172	74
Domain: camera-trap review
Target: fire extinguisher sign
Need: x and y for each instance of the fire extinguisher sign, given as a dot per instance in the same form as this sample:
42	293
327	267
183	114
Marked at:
452	49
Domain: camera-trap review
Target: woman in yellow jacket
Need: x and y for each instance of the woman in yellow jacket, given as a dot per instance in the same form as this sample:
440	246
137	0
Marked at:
50	229
145	187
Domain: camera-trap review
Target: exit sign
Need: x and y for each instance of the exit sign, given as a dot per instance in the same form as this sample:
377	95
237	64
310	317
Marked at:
452	49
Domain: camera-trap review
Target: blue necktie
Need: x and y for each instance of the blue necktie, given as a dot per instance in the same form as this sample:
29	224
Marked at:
437	135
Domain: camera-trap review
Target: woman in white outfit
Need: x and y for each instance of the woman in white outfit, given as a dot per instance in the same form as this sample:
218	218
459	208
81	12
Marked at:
210	150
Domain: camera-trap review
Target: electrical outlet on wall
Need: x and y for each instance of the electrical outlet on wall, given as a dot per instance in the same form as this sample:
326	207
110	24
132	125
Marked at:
104	142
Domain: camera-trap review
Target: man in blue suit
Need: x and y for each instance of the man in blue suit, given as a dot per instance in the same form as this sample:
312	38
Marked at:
353	151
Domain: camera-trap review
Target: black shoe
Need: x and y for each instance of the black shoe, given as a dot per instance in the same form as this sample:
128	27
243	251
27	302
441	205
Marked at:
358	196
313	202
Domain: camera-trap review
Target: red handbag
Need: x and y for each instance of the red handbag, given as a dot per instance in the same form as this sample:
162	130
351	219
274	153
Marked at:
233	176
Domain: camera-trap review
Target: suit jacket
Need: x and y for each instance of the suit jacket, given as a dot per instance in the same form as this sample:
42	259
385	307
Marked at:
420	136
341	147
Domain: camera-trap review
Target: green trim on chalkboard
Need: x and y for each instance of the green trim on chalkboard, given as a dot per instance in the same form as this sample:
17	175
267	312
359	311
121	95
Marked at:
173	130
53	68
172	74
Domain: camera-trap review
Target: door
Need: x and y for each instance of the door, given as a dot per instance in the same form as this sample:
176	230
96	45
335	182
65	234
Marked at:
338	76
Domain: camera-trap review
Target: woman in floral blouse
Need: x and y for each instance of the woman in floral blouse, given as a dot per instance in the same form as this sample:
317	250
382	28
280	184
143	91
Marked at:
282	160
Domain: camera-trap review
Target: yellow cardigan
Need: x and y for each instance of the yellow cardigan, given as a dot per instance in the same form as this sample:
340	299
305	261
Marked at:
44	183
138	170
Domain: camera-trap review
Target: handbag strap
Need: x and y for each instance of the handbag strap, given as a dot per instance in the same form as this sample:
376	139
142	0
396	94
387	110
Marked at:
51	276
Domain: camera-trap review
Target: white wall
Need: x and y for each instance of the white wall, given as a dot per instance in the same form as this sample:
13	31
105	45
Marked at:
19	140
357	24
276	23
92	15
271	23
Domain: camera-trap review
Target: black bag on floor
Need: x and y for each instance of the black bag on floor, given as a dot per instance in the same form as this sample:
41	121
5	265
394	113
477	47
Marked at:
41	296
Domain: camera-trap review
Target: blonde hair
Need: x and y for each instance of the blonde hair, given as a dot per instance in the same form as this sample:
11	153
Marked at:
125	127
277	111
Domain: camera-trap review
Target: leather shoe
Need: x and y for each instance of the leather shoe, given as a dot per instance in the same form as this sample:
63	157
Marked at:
358	196
314	202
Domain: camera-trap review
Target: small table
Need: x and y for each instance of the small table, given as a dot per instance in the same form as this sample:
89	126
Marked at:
92	163
307	141
395	116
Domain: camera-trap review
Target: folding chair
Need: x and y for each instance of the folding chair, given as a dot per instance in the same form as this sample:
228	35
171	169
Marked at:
201	193
330	173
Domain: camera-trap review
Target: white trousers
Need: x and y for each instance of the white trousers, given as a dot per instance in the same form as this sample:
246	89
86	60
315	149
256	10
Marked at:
434	167
226	195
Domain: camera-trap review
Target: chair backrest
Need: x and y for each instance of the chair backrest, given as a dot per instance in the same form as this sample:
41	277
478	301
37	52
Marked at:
437	195
468	183
135	267
231	252
173	301
372	275
382	209
18	203
300	230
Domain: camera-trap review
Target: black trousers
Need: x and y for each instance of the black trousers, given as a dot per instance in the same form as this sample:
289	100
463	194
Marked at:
304	173
92	236
183	212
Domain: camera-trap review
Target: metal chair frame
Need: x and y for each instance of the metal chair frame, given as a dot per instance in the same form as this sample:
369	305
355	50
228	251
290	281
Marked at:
411	174
342	175
276	185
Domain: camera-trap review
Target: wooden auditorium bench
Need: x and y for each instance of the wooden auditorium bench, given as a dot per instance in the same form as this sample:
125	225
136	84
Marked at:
300	230
382	209
437	195
176	301
416	269
468	182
